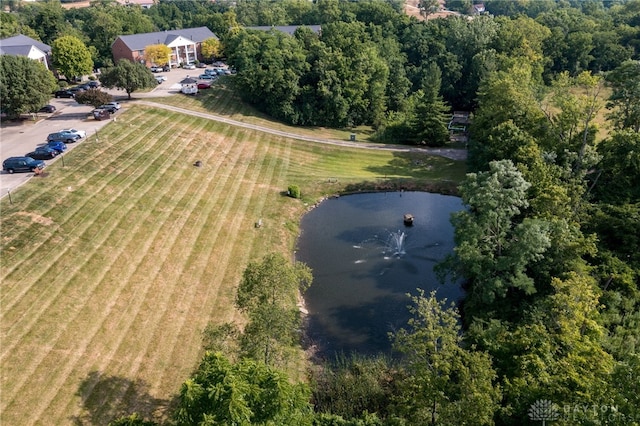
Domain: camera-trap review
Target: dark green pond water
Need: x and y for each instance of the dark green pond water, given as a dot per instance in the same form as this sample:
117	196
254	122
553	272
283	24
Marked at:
365	261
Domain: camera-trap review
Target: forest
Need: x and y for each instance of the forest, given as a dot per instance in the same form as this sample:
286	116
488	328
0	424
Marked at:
548	246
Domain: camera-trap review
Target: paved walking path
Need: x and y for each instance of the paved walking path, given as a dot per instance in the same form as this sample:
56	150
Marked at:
454	154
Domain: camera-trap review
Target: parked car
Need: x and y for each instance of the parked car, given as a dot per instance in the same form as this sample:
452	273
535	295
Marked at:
64	94
58	146
22	164
166	68
109	108
189	66
67	137
42	153
161	78
77	89
47	108
189	89
155	69
211	71
202	65
116	105
101	114
205	77
204	85
93	84
80	133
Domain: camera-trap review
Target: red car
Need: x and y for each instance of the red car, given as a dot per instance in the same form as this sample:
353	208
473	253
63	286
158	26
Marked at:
204	85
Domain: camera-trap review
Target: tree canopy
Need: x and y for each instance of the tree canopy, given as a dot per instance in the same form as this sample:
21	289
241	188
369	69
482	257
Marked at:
25	85
129	76
71	57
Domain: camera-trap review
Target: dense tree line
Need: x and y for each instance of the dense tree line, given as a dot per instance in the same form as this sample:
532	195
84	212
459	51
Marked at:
548	246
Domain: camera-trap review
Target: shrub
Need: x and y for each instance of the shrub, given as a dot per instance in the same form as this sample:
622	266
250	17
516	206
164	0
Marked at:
294	191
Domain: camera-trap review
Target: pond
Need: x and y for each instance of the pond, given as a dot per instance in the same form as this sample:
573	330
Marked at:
365	261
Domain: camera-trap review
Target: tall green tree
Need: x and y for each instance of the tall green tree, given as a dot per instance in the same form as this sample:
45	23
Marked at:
243	394
624	101
431	114
267	295
442	382
71	57
25	85
554	353
129	76
619	169
269	66
47	19
495	245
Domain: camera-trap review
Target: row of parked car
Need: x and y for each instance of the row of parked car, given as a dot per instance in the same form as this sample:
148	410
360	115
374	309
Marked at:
71	92
34	161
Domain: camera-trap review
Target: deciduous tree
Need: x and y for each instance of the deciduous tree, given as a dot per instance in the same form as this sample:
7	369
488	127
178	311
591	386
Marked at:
441	381
494	244
268	294
93	97
25	85
211	48
71	57
624	101
129	76
157	54
246	393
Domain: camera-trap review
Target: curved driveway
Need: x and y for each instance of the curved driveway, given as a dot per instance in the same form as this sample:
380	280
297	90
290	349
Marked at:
16	140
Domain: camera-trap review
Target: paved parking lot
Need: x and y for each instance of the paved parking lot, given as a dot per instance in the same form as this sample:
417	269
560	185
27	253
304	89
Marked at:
19	138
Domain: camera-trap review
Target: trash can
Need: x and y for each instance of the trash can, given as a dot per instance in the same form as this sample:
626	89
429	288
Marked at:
352	137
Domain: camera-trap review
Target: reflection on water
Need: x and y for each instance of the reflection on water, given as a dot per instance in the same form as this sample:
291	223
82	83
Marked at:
365	261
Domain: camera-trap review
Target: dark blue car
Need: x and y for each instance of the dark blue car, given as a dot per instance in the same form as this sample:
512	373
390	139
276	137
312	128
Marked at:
42	153
57	145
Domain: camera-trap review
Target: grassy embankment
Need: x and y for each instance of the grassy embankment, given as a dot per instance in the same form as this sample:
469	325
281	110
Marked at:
113	265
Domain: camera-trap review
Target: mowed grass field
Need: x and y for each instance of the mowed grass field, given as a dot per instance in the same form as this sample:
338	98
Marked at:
113	264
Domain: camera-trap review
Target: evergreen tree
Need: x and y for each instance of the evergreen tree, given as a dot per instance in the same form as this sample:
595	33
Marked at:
431	114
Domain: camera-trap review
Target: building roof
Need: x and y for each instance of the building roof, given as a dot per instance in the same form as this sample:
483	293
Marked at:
142	3
288	29
140	41
21	43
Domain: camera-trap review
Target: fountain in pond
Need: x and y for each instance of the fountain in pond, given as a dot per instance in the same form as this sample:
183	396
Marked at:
395	243
391	247
366	260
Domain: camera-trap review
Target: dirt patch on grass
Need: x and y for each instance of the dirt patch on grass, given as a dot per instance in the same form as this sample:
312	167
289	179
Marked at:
36	218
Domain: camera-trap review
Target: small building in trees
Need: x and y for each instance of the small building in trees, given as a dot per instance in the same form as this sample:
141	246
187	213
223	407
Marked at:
287	29
185	45
21	45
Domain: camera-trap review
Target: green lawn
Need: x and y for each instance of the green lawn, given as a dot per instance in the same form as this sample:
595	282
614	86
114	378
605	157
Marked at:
113	265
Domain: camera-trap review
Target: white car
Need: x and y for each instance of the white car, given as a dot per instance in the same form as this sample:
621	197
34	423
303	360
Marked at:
189	66
81	133
116	105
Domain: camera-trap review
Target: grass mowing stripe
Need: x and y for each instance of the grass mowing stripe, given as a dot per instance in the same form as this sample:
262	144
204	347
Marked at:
125	311
197	262
65	215
42	305
223	190
152	278
87	149
96	283
53	257
151	185
88	207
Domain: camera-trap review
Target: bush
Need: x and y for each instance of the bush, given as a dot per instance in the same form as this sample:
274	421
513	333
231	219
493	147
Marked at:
294	191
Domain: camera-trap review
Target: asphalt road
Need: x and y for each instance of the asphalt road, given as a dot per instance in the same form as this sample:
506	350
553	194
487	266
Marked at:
19	138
